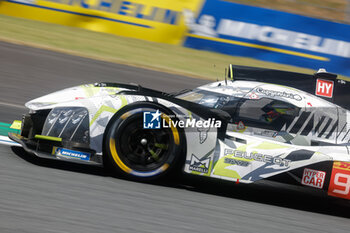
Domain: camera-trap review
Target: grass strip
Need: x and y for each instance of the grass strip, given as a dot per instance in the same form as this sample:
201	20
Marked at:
134	52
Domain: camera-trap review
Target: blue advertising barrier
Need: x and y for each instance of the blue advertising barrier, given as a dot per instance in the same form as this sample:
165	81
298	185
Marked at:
270	35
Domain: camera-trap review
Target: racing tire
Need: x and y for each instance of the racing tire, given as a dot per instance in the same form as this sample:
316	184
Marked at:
142	154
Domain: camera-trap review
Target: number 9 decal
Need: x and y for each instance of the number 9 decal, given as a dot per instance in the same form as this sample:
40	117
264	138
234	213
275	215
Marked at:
340	180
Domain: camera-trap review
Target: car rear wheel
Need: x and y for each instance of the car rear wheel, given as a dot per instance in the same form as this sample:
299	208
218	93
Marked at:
138	153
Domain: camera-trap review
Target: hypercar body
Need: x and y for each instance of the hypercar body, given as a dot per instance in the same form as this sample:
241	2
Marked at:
256	124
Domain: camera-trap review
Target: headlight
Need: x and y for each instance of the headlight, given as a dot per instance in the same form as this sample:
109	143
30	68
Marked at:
68	123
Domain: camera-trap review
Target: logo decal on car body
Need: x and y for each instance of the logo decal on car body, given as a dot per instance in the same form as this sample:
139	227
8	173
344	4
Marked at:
324	88
199	165
236	162
274	93
203	134
62	152
340	181
313	178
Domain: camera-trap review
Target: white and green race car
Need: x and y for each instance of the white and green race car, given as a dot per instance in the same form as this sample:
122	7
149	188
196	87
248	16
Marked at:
258	124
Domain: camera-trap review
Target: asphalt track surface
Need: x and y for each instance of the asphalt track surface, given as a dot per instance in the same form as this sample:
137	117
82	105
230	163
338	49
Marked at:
38	195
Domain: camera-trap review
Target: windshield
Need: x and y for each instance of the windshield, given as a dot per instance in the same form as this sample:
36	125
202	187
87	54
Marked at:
207	98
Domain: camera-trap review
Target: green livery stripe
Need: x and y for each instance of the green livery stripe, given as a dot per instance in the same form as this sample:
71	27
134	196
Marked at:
105	108
102	109
2	124
49	138
5	129
90	90
270	146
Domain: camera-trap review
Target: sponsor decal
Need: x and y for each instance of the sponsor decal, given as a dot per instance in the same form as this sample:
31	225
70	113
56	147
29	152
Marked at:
199	165
62	152
240	125
212	28
341	81
205	27
203	134
340	180
258	157
151	120
236	162
283	94
132	9
253	96
313	178
324	88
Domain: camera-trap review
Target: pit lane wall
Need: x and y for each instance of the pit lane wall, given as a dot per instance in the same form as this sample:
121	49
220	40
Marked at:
270	35
153	20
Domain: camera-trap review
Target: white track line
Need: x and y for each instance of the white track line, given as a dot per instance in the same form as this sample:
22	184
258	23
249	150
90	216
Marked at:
6	141
12	105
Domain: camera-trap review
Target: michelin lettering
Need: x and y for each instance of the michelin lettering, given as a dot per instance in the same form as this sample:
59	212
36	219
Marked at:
267	34
128	8
62	152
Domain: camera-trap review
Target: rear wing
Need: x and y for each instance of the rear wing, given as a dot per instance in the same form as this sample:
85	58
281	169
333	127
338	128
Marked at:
322	84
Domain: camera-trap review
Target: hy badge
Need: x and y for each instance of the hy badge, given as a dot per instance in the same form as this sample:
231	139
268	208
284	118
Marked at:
199	165
313	178
324	88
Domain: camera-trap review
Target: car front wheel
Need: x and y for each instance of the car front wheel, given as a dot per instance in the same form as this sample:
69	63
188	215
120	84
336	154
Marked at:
139	153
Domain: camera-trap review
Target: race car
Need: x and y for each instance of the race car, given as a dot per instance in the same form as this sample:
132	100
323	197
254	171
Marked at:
256	124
